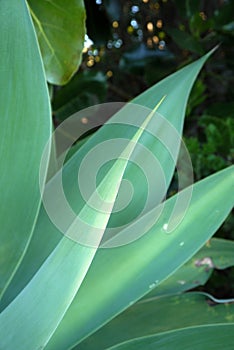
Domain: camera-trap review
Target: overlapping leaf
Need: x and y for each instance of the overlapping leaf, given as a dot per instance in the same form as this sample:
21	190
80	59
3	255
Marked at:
112	281
122	275
25	128
216	254
46	235
199	338
64	270
159	315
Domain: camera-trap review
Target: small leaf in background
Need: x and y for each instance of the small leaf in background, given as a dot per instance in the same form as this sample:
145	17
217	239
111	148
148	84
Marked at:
60	27
137	58
85	89
185	40
197	96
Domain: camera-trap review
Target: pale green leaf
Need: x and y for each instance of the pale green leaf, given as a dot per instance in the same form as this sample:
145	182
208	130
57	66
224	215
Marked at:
46	235
175	116
25	129
216	254
64	270
120	276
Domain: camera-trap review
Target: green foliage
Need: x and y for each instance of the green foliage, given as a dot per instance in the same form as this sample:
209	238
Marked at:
60	30
60	290
173	312
85	89
25	115
214	336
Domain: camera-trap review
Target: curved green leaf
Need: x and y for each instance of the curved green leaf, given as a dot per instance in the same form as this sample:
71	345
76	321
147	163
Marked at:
186	77
120	276
25	128
216	254
213	337
157	316
60	27
64	270
46	235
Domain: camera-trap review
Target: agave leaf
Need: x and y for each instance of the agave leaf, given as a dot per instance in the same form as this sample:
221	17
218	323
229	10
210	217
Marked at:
60	28
64	270
25	128
120	276
46	235
216	254
159	315
200	338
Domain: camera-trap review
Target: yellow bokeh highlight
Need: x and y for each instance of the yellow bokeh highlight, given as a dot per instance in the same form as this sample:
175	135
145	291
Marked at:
159	23
115	24
90	62
150	26
155	39
109	73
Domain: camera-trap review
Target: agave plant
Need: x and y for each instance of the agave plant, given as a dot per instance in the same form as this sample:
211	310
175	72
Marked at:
74	283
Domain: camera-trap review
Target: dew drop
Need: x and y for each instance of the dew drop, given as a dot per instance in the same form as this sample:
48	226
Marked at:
181	244
165	226
181	282
152	285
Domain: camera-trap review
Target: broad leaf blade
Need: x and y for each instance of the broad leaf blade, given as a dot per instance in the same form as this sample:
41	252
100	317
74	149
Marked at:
64	270
213	337
25	128
157	316
46	236
60	27
124	274
216	254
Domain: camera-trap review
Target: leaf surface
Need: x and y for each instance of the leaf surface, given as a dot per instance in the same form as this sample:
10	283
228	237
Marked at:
159	315
203	337
60	27
25	129
215	254
64	270
46	235
120	276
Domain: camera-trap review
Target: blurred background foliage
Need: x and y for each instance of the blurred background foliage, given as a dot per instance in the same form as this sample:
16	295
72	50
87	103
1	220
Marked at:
131	45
